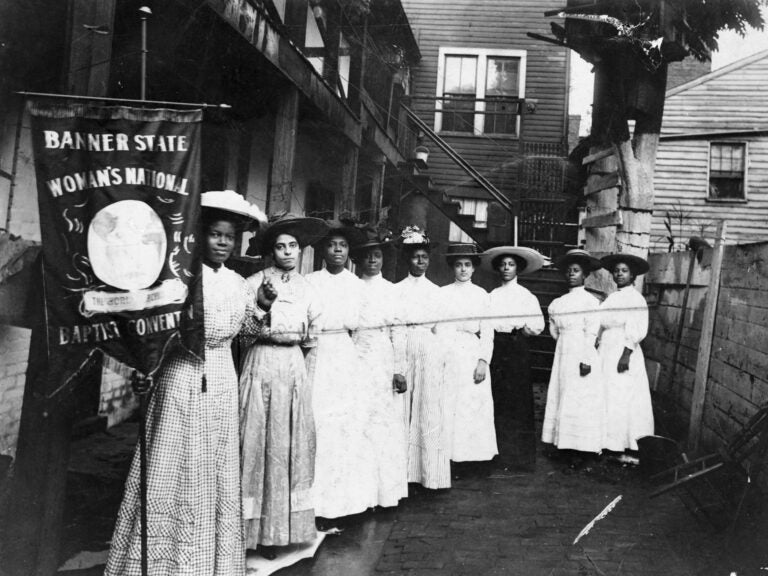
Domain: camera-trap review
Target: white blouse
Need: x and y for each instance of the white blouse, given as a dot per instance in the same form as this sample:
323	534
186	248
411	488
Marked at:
576	311
515	307
466	308
419	301
626	308
380	311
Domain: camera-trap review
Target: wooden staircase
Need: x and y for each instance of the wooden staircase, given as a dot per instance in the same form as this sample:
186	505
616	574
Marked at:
546	284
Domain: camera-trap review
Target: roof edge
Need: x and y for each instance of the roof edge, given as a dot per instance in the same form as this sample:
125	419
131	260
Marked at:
717	73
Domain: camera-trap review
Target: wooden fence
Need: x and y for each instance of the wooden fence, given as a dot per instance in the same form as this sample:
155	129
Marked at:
737	383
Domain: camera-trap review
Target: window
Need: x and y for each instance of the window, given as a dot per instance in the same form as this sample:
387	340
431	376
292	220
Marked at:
727	170
478	91
469	207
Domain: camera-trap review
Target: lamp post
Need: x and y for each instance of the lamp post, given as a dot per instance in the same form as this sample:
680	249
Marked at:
144	11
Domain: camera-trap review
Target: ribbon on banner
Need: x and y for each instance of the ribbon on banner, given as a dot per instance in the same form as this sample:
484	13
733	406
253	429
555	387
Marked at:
119	198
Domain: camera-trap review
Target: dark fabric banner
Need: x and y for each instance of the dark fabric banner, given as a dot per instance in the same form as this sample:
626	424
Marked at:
119	197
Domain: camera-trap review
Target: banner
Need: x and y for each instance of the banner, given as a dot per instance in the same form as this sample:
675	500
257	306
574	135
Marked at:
119	197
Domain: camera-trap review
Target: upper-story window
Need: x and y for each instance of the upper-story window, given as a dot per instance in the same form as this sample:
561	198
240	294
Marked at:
727	171
479	91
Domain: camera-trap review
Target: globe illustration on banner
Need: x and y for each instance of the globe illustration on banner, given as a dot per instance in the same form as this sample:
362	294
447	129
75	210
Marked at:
126	245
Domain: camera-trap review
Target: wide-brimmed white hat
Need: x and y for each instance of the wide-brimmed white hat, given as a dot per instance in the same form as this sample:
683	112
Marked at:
533	260
231	201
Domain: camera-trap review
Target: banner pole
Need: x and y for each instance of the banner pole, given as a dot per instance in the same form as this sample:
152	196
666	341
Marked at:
122	100
143	481
145	11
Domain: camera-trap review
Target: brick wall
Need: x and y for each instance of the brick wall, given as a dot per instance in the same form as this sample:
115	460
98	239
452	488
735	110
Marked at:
738	378
14	347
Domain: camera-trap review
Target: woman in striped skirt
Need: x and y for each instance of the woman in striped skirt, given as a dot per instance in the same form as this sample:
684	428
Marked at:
429	444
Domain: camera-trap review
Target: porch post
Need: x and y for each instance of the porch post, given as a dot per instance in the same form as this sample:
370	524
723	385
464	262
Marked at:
284	152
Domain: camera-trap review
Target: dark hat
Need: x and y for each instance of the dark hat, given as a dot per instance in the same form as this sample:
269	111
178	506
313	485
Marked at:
343	227
305	230
462	250
533	260
587	261
637	265
374	238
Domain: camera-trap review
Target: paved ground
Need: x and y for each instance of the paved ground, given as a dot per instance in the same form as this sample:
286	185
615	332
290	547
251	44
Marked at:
511	522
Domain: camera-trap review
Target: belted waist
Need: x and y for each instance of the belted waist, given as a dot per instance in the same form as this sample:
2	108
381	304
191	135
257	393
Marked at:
515	333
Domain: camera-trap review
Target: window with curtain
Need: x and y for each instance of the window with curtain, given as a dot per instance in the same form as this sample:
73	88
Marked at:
727	171
479	91
470	207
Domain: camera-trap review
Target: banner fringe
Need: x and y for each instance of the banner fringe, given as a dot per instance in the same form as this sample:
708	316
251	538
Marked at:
97	112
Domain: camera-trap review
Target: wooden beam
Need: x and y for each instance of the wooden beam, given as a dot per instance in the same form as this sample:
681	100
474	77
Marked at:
598	155
613	218
291	63
296	21
90	52
284	152
705	342
346	203
602	182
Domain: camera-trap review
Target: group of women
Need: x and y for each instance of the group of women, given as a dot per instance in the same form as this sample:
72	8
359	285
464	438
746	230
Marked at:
353	387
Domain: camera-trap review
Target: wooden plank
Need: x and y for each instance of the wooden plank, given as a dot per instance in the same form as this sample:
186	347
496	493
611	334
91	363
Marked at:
613	218
705	343
598	155
346	201
602	183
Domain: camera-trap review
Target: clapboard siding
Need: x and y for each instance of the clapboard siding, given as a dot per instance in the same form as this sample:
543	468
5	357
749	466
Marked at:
492	24
731	99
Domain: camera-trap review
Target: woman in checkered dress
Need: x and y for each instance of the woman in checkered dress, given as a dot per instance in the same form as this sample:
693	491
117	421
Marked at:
193	465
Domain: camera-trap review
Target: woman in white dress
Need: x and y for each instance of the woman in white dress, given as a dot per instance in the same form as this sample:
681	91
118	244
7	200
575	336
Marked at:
380	340
429	446
467	336
345	471
624	324
574	419
517	315
277	429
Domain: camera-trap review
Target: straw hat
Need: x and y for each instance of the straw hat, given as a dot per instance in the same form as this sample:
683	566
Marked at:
637	265
463	250
231	201
305	230
588	262
533	260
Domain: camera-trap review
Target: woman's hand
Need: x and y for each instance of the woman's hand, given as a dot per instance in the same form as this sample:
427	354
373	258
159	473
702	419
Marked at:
266	294
584	369
623	364
399	384
141	385
480	370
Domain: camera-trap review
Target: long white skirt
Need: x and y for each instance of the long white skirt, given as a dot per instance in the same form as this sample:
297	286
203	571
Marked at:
628	404
429	444
470	405
385	425
575	414
345	467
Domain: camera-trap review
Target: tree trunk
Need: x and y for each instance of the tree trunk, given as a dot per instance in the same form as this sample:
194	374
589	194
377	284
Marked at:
622	93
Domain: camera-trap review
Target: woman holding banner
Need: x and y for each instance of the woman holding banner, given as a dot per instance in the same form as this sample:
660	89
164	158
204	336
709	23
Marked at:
193	464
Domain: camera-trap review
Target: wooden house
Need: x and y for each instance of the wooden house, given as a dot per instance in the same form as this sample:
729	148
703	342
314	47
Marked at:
499	99
311	126
712	160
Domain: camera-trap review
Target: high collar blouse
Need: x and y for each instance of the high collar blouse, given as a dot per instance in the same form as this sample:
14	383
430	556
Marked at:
340	296
514	307
466	308
419	301
380	311
577	311
295	312
625	310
